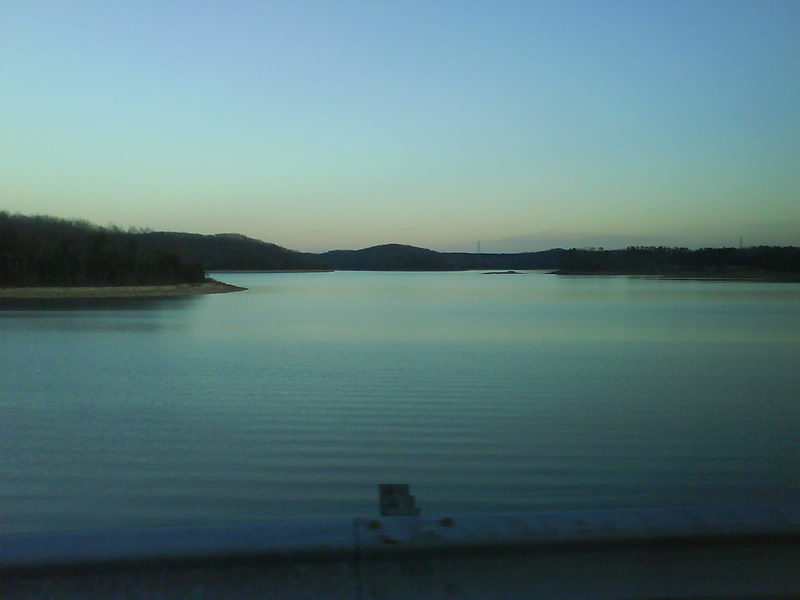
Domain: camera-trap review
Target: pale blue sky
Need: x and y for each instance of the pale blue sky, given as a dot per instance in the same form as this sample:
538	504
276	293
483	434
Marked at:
325	124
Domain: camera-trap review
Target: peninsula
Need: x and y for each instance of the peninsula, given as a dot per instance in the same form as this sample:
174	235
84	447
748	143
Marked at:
51	258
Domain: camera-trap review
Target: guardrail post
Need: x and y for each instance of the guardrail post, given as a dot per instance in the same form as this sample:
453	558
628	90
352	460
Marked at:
396	501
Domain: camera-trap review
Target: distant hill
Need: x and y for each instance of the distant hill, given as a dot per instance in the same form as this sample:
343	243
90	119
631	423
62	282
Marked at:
399	257
388	257
231	251
757	261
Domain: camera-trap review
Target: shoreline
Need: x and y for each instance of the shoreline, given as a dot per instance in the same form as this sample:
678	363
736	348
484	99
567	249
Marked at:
271	271
210	286
693	276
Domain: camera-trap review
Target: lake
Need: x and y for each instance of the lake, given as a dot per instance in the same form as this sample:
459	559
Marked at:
486	393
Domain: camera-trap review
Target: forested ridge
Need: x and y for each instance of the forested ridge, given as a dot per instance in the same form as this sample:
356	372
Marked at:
231	251
44	250
50	251
400	257
756	261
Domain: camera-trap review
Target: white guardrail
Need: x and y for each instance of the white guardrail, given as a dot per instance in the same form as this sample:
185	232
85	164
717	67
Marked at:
387	536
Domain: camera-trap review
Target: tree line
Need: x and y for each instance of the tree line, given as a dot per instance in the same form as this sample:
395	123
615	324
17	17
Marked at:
42	250
665	260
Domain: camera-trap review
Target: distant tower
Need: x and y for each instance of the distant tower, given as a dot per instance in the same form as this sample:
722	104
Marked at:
479	246
740	242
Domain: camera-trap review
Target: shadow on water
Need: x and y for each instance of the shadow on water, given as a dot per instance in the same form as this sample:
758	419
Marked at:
83	304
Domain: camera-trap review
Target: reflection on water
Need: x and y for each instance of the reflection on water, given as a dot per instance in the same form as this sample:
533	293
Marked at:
90	304
98	314
295	398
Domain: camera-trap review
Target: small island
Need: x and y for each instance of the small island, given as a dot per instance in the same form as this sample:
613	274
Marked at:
503	273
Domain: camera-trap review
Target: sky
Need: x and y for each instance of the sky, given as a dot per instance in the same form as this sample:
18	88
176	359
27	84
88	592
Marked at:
331	124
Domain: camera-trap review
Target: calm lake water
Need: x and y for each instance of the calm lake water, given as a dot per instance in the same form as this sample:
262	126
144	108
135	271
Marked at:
485	393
